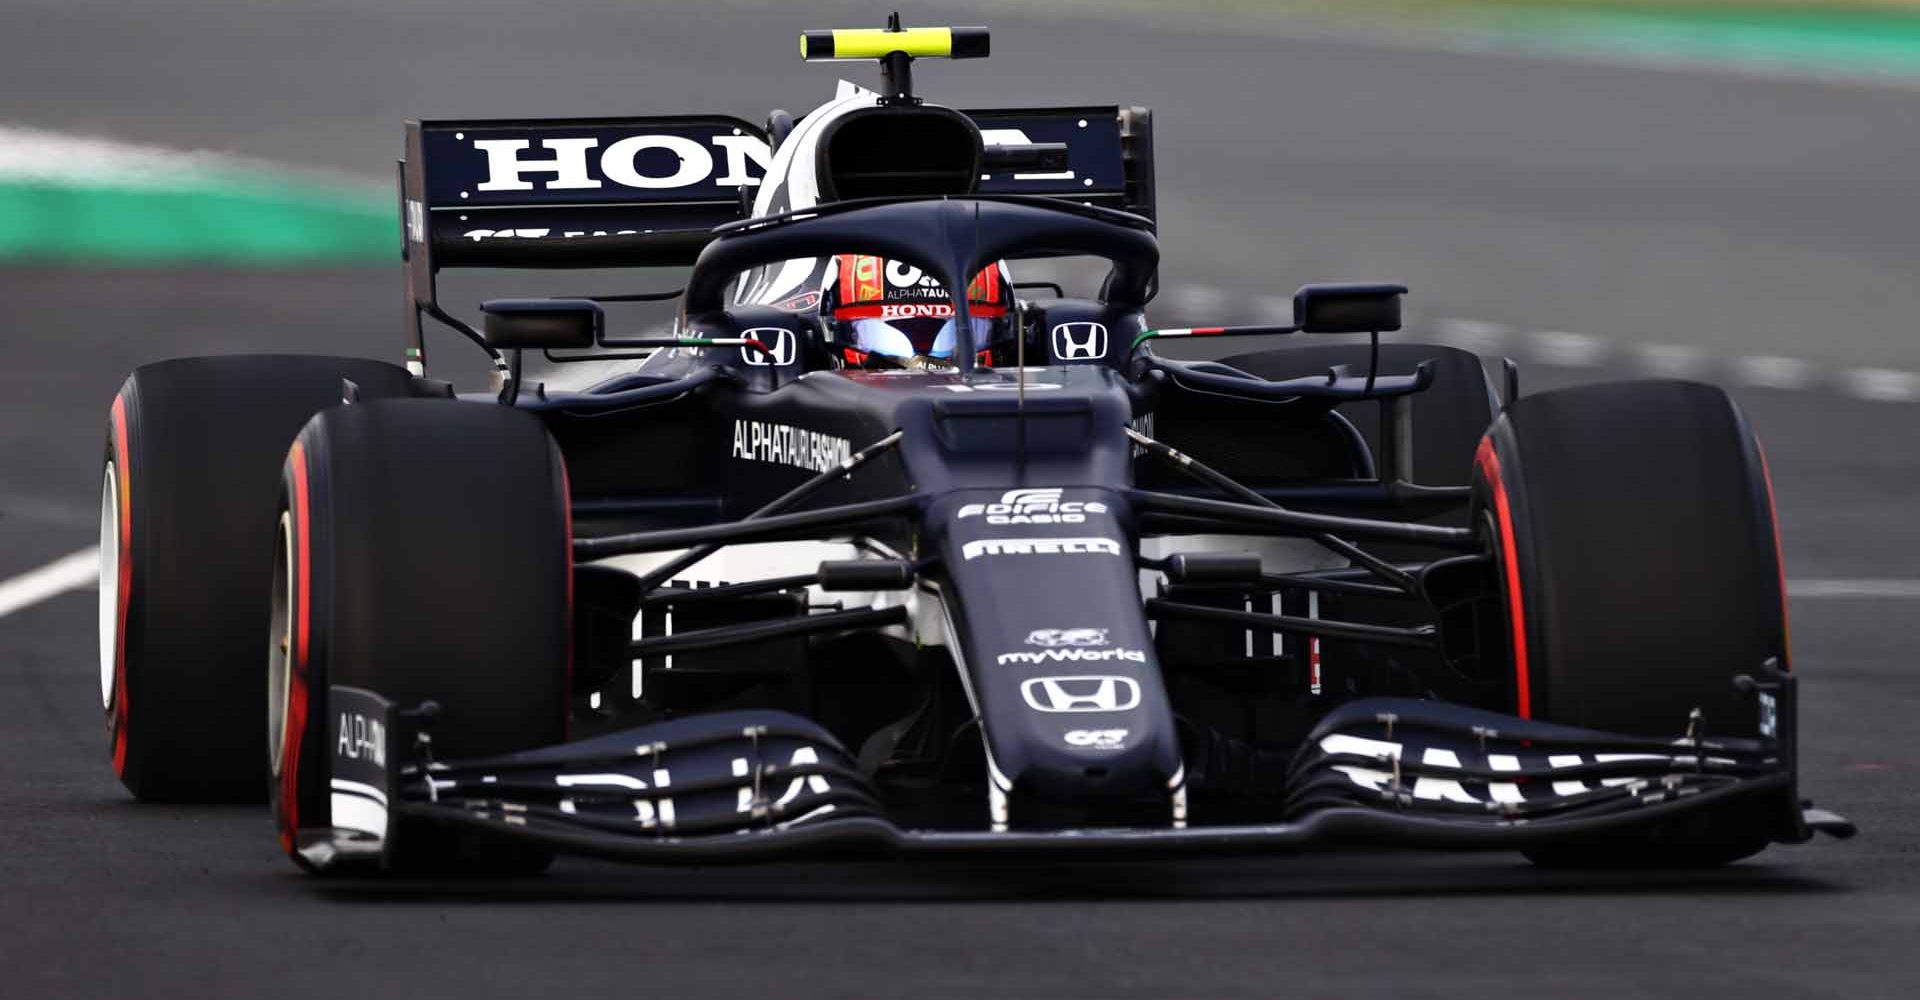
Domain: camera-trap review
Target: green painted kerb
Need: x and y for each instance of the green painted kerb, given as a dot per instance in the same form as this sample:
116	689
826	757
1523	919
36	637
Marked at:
234	223
1826	38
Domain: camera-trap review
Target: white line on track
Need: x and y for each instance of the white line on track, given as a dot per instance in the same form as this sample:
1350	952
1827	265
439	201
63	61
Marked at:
75	571
1767	372
80	571
1568	350
1882	384
1813	589
1272	308
1474	335
1199	300
1671	360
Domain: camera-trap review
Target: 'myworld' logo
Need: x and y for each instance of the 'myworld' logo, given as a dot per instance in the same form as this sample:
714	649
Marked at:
1040	656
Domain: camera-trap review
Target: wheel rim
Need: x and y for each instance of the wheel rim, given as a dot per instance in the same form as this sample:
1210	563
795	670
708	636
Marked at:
280	644
109	582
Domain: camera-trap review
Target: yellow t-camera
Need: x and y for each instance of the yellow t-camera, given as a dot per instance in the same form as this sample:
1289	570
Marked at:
878	43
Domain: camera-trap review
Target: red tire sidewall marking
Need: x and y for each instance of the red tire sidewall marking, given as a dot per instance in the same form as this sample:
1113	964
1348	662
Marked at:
1779	560
125	570
294	733
1489	464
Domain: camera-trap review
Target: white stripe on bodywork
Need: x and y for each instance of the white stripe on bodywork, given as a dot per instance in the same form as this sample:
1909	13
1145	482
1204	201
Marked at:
1442	789
352	811
625	781
802	183
1359	746
1366	777
360	788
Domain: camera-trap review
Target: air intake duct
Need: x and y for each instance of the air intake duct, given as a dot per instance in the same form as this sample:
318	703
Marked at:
900	151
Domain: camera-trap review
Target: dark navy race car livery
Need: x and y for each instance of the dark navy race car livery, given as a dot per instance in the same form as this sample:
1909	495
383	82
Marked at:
882	550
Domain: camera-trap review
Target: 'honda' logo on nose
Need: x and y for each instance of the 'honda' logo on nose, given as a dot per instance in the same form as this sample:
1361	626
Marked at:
1078	341
1087	693
779	346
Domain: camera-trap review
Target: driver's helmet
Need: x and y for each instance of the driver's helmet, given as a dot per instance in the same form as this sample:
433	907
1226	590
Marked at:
886	313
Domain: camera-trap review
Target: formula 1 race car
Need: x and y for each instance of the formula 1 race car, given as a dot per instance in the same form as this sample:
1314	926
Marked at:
870	554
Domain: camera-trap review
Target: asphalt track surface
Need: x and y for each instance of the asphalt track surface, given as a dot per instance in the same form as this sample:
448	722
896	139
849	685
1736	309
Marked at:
1726	213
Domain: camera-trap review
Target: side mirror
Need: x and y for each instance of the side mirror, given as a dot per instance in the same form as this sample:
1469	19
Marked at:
542	323
1347	308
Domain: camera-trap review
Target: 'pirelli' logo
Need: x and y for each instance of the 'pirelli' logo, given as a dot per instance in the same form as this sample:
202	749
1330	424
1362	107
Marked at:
1039	547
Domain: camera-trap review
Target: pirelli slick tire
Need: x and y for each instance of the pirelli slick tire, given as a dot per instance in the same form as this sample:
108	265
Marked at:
424	554
1637	555
186	527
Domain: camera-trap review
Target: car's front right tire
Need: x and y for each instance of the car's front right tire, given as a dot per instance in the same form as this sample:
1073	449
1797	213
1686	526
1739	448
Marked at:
1633	530
186	516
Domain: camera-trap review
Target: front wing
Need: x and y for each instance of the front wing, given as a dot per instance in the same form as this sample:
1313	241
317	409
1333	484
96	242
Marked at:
760	786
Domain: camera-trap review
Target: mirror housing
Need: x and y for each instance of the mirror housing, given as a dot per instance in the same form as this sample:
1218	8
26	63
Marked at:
542	323
1213	567
866	575
1364	308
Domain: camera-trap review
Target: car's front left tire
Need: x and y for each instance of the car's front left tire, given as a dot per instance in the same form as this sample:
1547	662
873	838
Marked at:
426	555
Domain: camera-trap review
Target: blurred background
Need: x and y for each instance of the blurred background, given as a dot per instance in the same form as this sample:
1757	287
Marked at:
1719	189
1712	189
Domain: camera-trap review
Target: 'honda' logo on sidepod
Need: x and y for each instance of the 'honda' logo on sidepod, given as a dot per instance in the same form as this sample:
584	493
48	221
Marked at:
778	342
1075	341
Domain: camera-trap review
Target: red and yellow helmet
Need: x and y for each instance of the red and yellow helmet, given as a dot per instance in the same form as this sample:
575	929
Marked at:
872	287
895	310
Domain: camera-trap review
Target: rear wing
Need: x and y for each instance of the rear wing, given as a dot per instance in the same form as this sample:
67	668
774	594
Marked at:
1109	154
647	192
520	193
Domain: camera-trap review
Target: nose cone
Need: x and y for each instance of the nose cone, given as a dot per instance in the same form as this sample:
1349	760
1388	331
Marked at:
1056	652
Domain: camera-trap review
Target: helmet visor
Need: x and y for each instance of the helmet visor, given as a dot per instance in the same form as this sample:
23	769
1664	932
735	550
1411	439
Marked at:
906	338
